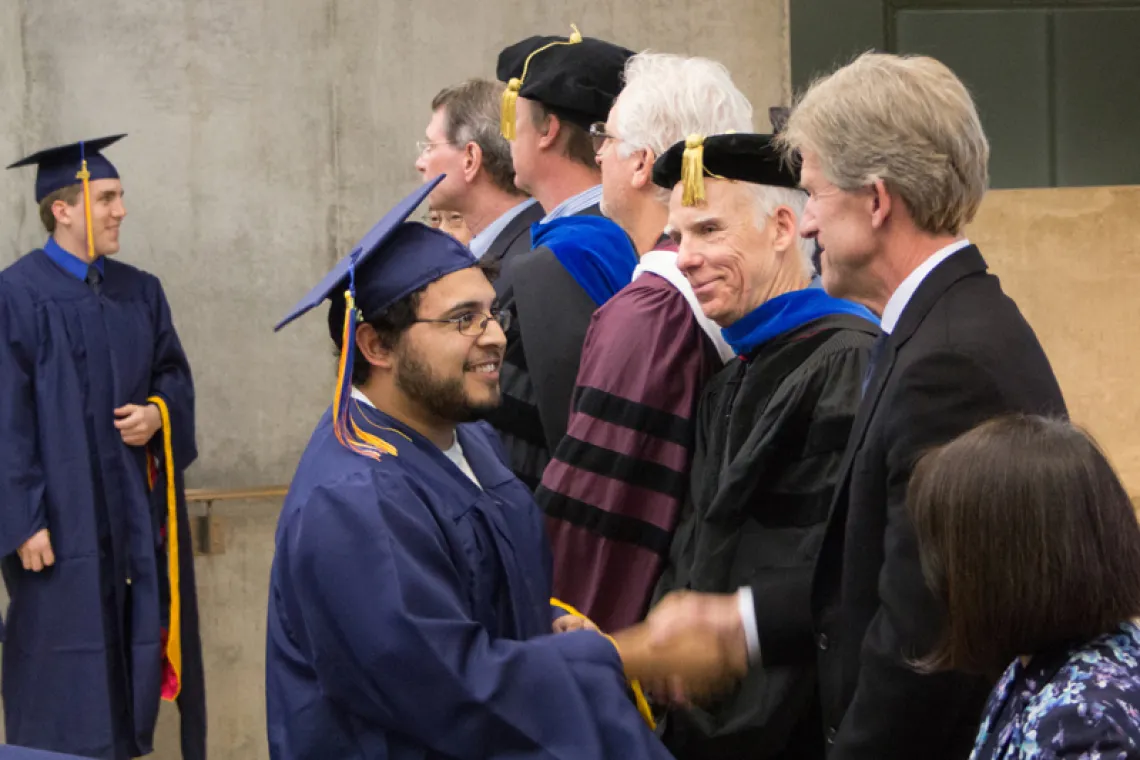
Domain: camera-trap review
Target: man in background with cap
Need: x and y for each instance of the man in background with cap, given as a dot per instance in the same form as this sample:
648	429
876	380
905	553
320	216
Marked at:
556	87
409	610
613	490
96	429
771	426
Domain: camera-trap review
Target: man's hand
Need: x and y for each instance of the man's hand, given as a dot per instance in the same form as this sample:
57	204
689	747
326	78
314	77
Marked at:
690	646
36	553
138	424
568	623
713	619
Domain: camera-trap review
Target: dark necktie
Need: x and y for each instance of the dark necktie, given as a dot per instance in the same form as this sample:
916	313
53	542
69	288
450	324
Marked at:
876	354
95	279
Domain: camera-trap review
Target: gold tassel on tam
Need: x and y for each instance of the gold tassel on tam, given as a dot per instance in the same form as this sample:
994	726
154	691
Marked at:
508	108
507	111
693	171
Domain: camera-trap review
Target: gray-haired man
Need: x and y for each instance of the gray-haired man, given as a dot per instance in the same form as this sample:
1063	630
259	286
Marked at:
463	142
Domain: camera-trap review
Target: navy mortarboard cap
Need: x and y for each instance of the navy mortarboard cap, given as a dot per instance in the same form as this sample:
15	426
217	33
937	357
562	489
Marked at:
738	156
59	167
577	78
395	259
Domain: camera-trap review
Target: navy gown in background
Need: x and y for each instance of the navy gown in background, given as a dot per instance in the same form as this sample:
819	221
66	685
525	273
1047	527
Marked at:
83	651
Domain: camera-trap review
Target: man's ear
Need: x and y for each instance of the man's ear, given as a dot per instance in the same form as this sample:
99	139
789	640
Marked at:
65	215
472	161
551	130
881	204
786	230
643	170
372	348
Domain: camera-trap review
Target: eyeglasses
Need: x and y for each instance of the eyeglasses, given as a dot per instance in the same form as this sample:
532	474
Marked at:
424	146
473	324
599	135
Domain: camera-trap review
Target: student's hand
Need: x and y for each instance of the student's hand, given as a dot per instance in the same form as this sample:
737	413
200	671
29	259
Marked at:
568	623
36	553
138	424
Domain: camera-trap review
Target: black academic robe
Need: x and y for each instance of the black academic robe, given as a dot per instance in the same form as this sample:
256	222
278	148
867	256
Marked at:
83	652
544	347
771	431
960	354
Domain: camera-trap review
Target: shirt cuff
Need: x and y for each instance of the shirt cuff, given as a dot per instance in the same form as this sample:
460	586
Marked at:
748	621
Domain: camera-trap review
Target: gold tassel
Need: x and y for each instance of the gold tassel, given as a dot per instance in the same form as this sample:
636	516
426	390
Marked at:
173	571
693	171
508	108
85	177
507	111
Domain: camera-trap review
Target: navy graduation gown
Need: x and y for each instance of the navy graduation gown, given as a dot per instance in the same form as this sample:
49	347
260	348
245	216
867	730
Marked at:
9	752
82	656
409	615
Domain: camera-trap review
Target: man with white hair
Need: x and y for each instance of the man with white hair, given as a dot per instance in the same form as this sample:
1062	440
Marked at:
895	164
613	490
771	426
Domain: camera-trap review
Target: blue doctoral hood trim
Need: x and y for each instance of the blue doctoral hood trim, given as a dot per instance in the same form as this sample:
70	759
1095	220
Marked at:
787	312
595	251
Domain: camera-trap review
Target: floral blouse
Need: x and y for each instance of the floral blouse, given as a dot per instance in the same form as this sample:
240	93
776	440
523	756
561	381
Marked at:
1079	704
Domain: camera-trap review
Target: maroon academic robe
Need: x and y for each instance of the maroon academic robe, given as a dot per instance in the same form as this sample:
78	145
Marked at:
613	489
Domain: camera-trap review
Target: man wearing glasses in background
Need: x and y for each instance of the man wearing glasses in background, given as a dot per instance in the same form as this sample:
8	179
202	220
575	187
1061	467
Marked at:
462	141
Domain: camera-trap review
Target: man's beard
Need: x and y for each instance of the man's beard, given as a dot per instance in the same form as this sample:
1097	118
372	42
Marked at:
442	398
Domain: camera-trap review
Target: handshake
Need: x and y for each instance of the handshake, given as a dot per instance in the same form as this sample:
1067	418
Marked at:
692	646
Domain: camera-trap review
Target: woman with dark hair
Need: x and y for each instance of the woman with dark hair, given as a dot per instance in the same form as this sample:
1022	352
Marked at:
1028	537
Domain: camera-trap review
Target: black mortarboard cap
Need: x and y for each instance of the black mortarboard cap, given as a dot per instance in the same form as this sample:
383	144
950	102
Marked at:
577	78
737	155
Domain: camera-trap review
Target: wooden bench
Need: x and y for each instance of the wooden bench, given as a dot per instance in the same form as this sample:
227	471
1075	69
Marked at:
207	531
210	495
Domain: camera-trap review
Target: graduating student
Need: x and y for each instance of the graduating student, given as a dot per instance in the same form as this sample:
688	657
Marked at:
409	609
96	428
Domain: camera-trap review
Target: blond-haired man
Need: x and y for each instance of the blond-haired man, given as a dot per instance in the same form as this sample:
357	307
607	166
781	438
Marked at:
895	164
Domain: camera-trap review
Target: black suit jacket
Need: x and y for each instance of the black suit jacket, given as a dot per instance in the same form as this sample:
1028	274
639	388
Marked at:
961	353
513	241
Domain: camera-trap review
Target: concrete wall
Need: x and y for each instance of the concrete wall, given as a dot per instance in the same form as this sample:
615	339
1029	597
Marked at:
1069	258
264	139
